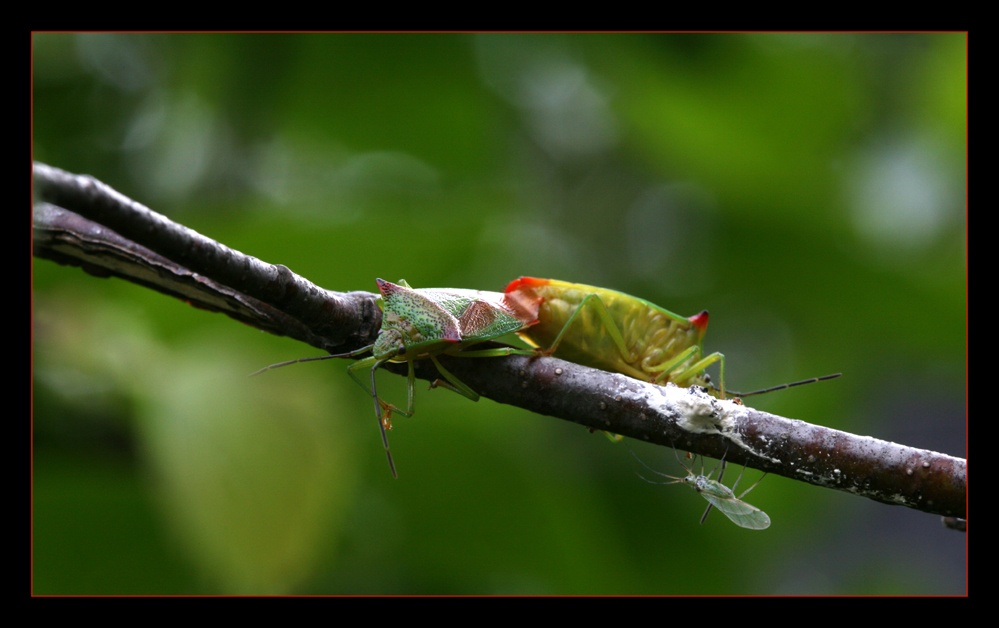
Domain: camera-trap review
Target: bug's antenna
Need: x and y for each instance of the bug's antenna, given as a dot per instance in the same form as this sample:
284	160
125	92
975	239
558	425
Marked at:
290	362
779	386
316	358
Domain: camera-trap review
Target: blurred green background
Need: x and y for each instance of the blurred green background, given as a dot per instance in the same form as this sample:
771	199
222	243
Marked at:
808	189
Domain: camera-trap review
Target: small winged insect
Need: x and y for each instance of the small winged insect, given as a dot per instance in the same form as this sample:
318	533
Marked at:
719	496
424	323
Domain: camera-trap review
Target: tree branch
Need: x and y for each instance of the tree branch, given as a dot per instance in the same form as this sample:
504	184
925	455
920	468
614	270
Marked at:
82	222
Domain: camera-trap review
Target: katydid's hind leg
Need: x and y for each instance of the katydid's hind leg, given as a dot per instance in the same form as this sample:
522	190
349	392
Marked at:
601	309
698	367
667	368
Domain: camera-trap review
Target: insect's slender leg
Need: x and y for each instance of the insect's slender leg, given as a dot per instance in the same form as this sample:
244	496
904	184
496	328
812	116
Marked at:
410	385
601	309
494	352
751	487
707	510
694	369
736	483
612	330
374	363
666	368
383	418
382	421
699	366
721	474
451	382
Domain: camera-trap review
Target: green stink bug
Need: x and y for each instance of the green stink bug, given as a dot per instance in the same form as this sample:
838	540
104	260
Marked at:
424	323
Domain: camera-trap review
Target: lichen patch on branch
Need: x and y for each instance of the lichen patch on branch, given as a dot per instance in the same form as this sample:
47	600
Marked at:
693	410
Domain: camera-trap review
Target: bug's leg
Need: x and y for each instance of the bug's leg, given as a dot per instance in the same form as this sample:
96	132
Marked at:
369	386
736	483
451	382
383	410
751	487
495	352
501	351
410	385
382	420
707	510
721	474
390	409
387	409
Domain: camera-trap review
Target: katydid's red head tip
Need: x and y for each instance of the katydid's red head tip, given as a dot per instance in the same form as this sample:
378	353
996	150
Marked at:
525	282
700	320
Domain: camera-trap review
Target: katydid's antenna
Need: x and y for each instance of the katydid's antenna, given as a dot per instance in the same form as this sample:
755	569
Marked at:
779	386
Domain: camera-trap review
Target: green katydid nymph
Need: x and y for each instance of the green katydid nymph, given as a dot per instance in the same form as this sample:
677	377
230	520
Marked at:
617	332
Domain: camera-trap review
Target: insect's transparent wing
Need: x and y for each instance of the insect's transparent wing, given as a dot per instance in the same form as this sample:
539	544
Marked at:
742	514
